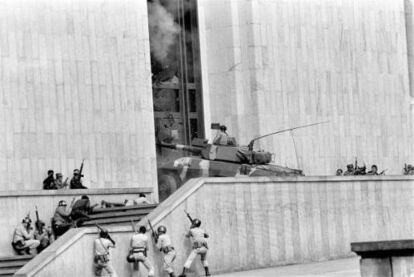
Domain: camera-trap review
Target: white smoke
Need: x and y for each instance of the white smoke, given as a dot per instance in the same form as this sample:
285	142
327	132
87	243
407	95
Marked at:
163	31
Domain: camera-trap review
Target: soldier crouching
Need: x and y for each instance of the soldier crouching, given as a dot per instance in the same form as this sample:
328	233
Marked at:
138	250
200	247
101	259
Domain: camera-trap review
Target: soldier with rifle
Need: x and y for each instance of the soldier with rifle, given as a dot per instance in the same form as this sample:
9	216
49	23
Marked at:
200	247
42	234
101	253
76	181
163	243
138	250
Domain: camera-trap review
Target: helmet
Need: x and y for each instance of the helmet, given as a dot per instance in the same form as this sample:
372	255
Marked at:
103	233
27	220
162	229
62	203
196	222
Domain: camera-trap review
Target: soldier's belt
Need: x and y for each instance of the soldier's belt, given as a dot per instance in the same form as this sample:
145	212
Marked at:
139	250
197	245
167	249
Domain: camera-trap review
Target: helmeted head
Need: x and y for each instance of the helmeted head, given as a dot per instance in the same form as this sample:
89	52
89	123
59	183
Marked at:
162	229
350	166
50	172
374	168
196	223
142	230
85	197
76	172
59	175
104	233
142	195
62	203
339	172
223	128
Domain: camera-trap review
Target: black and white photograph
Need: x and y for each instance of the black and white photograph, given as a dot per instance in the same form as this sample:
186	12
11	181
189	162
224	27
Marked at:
189	138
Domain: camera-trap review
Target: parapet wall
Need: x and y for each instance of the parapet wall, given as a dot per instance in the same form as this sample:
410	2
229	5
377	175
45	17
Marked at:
14	206
257	222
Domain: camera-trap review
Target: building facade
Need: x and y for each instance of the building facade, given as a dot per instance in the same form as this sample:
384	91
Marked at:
77	82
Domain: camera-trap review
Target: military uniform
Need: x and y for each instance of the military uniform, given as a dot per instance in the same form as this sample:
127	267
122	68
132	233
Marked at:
200	247
23	239
102	259
138	252
76	183
165	246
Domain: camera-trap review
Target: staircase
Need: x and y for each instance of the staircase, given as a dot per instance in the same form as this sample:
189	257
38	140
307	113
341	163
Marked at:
11	264
118	215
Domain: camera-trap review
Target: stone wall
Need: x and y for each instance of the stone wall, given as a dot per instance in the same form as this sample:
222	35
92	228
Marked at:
75	83
274	64
257	222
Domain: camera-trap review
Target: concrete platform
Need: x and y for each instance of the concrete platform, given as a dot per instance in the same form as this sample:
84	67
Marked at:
336	268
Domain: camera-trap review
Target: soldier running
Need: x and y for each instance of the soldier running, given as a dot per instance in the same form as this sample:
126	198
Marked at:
163	242
138	250
200	247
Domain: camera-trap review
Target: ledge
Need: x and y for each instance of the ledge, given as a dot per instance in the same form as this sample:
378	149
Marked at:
387	248
309	179
76	192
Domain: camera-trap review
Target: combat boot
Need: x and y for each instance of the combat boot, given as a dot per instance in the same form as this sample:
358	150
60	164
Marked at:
183	274
172	274
207	271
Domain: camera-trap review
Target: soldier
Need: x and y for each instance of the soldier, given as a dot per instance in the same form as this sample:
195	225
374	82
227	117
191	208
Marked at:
76	181
349	170
59	181
81	210
23	237
339	172
222	138
61	219
163	242
101	249
138	250
49	182
373	171
44	236
200	246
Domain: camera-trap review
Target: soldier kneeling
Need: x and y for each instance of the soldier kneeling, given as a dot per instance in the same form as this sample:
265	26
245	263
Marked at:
138	250
23	238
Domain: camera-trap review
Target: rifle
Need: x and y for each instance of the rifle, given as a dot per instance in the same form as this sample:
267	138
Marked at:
65	183
107	236
38	223
81	169
356	164
154	234
133	226
189	216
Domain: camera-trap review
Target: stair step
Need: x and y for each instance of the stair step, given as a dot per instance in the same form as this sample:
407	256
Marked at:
126	208
16	258
111	220
11	264
122	213
8	272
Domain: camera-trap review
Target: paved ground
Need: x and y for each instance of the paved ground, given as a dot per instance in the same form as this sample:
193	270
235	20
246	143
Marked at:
337	268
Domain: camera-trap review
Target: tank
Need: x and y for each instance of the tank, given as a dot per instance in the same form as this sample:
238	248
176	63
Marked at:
208	160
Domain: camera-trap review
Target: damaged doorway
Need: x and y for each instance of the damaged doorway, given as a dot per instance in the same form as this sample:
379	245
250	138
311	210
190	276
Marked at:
176	83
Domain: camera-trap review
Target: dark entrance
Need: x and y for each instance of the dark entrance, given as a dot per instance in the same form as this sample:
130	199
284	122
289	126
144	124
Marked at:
176	78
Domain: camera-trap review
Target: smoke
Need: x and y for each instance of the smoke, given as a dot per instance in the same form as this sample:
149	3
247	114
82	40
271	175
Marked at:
163	32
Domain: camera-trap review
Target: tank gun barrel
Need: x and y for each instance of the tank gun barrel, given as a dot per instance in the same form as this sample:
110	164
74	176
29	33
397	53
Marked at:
251	143
189	148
